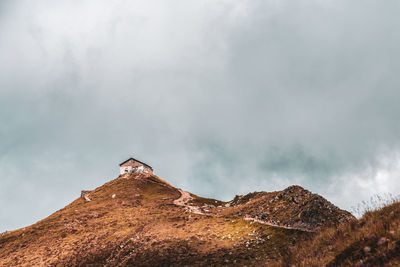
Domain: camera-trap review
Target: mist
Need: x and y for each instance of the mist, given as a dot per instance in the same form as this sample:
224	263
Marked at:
219	97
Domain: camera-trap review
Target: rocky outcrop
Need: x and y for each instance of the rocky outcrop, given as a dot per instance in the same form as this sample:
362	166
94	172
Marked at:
85	192
293	207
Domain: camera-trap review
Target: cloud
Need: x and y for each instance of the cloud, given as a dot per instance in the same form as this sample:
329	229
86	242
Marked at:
219	97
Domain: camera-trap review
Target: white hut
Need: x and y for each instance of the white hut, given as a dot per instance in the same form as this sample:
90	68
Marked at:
132	165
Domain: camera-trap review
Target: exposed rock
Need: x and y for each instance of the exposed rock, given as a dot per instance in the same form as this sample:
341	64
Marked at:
85	192
292	207
367	249
382	241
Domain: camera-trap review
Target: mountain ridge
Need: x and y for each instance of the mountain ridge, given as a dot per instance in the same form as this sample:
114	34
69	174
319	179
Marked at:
141	220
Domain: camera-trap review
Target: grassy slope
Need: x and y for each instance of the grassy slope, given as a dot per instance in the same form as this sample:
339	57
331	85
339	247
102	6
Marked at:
141	227
373	240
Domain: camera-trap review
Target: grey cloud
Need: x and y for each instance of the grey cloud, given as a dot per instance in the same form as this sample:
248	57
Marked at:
220	97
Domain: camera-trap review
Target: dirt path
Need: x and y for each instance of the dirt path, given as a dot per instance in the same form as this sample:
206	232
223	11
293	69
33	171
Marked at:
184	200
276	225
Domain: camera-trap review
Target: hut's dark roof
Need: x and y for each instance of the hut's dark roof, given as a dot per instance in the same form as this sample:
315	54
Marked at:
137	161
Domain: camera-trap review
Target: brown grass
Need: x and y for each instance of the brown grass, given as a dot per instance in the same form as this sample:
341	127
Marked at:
141	227
373	240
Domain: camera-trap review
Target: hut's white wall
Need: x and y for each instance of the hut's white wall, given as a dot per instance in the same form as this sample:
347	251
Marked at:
131	169
125	169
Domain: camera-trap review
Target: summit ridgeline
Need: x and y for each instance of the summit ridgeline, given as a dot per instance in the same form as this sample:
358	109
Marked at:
139	219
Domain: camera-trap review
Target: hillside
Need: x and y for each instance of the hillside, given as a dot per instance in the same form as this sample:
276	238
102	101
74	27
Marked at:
373	240
293	207
140	220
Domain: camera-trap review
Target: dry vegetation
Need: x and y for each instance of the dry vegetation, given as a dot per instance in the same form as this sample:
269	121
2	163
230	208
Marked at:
373	240
140	226
132	221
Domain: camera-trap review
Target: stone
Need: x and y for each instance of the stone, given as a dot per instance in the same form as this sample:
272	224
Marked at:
382	241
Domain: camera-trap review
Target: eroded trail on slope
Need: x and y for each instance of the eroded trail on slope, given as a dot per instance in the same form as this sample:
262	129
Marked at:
184	200
277	225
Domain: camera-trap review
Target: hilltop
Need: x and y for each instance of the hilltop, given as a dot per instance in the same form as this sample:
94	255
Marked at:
140	220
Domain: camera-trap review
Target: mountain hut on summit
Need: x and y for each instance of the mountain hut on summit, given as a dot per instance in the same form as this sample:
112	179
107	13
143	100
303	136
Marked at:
132	165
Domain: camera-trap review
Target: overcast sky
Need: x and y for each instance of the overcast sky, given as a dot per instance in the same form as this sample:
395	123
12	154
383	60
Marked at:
221	97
